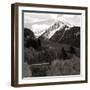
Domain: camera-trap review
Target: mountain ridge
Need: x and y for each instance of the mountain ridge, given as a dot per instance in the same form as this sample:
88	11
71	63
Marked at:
63	33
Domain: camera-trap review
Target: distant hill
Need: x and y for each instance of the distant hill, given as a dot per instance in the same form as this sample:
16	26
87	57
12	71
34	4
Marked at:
28	34
30	40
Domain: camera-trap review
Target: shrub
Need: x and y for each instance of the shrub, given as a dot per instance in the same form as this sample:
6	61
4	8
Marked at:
64	67
27	70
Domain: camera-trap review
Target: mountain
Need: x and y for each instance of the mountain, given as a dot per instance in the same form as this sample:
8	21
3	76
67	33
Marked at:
64	33
70	37
57	26
27	35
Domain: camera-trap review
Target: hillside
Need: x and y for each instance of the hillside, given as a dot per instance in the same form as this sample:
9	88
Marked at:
70	37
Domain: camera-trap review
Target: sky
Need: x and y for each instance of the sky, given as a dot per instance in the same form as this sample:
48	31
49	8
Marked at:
39	22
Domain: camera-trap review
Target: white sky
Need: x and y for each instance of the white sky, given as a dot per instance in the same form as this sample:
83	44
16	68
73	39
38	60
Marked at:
38	22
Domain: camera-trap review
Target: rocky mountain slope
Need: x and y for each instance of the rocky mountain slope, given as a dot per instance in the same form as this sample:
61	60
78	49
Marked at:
63	33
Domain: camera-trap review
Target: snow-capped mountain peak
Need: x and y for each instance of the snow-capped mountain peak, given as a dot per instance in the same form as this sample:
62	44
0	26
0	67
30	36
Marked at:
57	26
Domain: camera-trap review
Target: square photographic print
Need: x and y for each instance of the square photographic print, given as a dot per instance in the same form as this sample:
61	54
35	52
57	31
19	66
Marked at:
50	44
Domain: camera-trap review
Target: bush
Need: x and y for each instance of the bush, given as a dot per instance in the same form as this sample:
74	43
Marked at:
27	70
64	67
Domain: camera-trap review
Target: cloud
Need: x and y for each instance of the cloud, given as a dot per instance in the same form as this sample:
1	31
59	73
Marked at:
38	29
32	20
72	19
37	17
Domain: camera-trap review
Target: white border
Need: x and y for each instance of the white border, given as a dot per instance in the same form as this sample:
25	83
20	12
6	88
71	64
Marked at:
32	80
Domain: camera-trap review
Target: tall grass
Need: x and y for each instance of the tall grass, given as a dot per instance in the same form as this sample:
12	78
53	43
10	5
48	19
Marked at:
64	67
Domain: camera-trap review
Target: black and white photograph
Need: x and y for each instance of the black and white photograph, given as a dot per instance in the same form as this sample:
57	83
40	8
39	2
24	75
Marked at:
51	44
